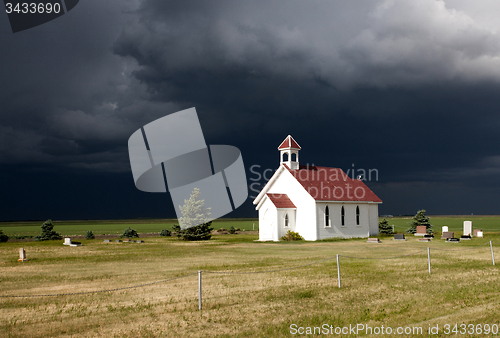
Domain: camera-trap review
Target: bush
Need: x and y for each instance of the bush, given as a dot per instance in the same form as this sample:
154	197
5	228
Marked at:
129	233
200	232
384	227
47	232
292	236
232	230
89	235
221	230
3	237
165	233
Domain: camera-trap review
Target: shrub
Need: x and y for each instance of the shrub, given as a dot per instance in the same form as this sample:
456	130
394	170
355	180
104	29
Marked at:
200	232
3	237
221	230
129	233
47	232
165	233
232	230
384	227
292	236
89	235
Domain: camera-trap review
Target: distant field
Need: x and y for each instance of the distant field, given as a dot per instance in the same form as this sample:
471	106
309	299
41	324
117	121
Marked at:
100	227
454	223
109	227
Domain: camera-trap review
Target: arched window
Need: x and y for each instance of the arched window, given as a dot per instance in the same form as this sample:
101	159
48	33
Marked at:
327	216
294	157
286	220
342	216
285	157
357	215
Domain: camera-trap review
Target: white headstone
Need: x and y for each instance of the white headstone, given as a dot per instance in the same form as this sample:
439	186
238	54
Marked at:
467	228
444	229
480	234
22	255
67	241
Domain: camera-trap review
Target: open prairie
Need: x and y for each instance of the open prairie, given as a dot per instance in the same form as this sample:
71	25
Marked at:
393	288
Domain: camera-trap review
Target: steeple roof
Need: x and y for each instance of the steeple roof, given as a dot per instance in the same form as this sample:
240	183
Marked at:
289	142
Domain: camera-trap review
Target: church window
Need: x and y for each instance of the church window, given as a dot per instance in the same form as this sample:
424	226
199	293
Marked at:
342	216
327	217
357	215
285	157
294	157
286	221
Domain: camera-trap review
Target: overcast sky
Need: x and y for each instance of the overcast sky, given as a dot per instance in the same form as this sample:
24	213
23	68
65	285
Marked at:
410	88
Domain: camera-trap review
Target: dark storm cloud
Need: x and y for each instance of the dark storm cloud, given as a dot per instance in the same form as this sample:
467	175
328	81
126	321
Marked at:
65	97
408	87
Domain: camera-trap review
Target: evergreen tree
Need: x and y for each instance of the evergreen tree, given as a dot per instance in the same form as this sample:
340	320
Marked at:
194	224
47	232
384	227
129	233
89	235
420	219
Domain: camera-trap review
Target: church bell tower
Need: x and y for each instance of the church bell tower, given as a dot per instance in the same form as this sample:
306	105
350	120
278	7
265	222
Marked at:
289	152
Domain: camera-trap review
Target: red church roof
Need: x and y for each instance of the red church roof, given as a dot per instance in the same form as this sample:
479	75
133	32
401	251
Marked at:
332	184
281	200
289	142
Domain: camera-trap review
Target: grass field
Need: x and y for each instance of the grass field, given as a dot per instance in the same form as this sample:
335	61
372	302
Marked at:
108	227
398	292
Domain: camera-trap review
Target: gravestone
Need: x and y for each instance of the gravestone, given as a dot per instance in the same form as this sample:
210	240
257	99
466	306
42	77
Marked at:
373	240
139	241
399	237
421	230
447	235
126	240
67	241
476	231
453	240
466	237
467	228
22	255
107	241
444	229
425	239
118	240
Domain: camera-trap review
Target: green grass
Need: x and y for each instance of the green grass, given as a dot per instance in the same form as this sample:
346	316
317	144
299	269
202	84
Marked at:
100	227
463	286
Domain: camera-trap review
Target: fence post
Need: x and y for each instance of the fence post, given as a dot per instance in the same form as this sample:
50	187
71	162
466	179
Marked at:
492	256
429	258
199	289
338	269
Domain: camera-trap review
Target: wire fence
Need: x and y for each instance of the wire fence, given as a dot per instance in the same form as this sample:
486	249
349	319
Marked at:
199	273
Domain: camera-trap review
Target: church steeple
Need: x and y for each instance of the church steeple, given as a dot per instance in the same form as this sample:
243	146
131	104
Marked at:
289	152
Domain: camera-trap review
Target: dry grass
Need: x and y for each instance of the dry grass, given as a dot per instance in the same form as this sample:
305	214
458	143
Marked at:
463	287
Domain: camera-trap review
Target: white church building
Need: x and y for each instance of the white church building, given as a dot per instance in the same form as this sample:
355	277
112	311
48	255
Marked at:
317	202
